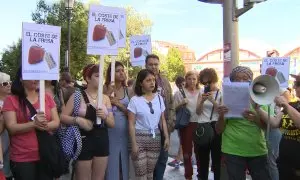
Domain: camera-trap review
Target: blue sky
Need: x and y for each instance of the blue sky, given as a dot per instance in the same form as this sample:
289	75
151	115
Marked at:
272	24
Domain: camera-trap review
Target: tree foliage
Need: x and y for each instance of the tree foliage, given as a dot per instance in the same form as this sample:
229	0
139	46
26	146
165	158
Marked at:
55	14
173	65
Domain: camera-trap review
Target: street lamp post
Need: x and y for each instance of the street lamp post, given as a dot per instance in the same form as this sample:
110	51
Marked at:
230	30
69	4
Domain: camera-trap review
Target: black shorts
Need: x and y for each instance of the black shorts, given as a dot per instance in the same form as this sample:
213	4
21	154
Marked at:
94	145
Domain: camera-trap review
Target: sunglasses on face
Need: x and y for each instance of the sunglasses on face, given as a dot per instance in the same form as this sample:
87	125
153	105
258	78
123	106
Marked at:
6	83
151	108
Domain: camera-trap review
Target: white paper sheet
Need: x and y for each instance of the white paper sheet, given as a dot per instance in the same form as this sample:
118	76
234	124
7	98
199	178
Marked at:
236	97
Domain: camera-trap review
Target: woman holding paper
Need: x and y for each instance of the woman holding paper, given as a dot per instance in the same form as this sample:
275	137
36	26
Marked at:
118	136
289	122
243	140
92	162
24	149
191	91
146	119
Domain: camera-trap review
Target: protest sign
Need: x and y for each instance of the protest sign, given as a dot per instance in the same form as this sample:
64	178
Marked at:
277	67
122	31
103	30
140	47
40	52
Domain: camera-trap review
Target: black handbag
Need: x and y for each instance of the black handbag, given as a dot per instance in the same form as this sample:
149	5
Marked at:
183	115
50	150
204	133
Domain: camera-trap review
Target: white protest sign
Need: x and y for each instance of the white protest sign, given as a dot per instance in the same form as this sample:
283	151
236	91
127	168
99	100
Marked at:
278	67
103	30
40	52
140	47
122	31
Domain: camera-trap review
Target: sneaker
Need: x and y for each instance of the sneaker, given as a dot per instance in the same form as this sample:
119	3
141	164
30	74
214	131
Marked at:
174	163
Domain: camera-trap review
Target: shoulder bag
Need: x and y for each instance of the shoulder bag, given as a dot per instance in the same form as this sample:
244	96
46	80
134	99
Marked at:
204	133
183	115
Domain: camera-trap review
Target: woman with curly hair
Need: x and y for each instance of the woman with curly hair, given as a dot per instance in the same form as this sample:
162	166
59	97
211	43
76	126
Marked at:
207	104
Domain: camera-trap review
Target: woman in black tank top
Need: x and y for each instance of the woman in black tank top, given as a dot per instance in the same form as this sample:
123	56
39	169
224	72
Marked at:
92	162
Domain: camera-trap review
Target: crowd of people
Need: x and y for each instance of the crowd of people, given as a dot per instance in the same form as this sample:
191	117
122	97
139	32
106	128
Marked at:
134	123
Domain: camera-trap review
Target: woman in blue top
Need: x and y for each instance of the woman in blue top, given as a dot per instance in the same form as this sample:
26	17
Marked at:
118	136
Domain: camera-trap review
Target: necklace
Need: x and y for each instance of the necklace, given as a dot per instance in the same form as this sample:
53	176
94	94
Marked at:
93	99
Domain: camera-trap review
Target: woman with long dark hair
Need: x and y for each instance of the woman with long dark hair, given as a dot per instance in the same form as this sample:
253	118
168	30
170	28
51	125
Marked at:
146	119
118	136
92	161
24	154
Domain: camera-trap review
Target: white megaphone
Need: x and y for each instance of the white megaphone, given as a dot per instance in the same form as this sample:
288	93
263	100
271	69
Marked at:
264	89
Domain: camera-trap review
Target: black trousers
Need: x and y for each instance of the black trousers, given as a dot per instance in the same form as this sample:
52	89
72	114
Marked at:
29	171
203	155
258	167
287	172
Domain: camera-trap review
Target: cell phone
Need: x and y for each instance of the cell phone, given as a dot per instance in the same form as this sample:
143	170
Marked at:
206	89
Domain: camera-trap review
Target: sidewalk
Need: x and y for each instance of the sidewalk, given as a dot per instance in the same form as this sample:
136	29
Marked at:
178	174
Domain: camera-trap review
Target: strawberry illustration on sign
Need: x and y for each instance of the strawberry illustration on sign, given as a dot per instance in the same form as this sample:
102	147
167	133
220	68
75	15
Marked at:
36	54
138	52
99	32
272	71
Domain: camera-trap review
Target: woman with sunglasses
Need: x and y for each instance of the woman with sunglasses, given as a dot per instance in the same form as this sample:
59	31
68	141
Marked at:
92	161
288	120
5	90
146	119
24	148
118	136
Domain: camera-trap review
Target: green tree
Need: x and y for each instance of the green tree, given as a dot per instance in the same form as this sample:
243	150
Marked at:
11	59
55	14
173	64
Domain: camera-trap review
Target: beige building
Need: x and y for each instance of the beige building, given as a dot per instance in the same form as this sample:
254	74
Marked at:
214	59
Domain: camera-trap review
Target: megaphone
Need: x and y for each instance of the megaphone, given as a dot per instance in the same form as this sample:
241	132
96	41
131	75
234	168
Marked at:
264	89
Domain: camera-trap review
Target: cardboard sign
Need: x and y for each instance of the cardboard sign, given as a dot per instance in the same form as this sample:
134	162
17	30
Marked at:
278	67
40	51
140	47
103	30
122	31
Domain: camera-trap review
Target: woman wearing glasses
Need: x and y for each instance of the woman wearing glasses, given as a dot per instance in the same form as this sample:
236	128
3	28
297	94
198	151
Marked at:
289	122
5	85
146	119
191	91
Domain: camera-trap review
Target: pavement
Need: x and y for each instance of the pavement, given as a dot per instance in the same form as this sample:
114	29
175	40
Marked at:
178	174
